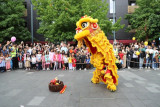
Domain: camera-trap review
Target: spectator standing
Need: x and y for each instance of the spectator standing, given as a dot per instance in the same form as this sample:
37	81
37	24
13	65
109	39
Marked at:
73	63
78	61
121	56
59	59
55	57
153	56
115	50
28	64
88	62
129	57
64	48
47	60
141	56
11	61
20	60
4	51
43	61
149	53
65	58
83	61
2	63
124	57
135	58
156	62
51	54
33	61
39	59
8	65
70	61
14	56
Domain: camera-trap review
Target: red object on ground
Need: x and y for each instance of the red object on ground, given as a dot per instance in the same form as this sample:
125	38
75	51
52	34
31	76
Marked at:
62	91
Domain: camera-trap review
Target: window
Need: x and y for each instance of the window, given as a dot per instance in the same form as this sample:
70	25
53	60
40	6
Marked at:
111	3
132	2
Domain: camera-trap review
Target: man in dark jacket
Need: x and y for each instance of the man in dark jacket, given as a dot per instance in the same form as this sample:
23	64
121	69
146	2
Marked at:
129	56
141	56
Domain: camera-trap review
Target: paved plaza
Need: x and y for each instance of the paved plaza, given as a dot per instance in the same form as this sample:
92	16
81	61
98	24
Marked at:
137	88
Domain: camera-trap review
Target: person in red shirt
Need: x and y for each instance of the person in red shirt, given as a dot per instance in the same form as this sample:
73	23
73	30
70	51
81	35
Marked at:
73	63
121	56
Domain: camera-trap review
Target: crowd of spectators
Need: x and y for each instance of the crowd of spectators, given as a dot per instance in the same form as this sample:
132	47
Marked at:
49	56
46	56
138	55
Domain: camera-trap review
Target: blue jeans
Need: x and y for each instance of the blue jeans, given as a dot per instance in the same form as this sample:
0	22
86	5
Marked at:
148	62
141	62
155	65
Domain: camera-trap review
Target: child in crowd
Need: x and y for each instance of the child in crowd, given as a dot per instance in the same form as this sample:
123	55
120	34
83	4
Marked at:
11	63
28	64
155	60
39	60
65	58
59	59
55	58
43	61
70	61
33	60
47	60
24	57
118	64
2	63
63	62
20	60
121	56
88	62
73	63
51	54
8	65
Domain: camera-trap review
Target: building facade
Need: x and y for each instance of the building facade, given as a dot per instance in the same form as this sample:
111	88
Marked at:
122	7
27	18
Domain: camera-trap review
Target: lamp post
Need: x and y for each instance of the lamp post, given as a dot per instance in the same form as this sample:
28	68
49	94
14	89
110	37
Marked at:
31	21
114	33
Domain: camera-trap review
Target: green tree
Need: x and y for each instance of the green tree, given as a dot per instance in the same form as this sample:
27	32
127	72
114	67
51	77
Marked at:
58	17
145	20
11	20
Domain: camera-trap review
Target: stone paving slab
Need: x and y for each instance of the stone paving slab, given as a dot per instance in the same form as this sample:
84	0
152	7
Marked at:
137	88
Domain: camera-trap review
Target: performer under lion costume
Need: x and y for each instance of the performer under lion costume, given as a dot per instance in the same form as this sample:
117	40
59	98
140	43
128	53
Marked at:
102	51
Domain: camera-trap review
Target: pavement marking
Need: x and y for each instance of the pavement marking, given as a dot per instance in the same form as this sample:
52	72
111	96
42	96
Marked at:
70	70
99	98
153	85
61	75
29	73
147	70
36	101
13	92
153	89
131	76
128	85
139	82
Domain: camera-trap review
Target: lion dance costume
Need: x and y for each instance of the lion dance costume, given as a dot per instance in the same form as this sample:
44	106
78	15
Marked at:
102	51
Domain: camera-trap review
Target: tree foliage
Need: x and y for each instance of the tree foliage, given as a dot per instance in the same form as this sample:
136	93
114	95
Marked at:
58	17
11	21
145	20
